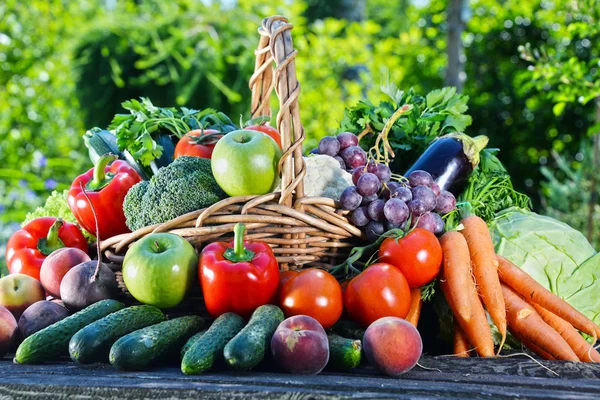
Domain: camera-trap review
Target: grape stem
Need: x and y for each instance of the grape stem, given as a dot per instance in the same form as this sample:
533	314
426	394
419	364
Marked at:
358	252
383	135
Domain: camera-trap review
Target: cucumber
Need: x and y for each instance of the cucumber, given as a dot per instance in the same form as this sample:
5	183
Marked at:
344	354
249	346
138	349
92	343
208	350
53	341
349	329
191	342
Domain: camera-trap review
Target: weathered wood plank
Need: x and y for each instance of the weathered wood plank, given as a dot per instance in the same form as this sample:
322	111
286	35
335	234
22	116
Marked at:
446	377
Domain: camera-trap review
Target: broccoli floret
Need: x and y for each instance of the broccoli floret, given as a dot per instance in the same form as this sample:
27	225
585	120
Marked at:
185	185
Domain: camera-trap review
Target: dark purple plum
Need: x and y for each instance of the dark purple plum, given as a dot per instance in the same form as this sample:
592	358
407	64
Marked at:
426	195
417	208
383	172
354	157
368	184
314	151
350	199
347	139
374	230
341	161
419	177
396	211
329	146
445	203
360	217
375	210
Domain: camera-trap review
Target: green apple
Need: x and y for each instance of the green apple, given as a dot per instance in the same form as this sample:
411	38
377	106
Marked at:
159	269
245	163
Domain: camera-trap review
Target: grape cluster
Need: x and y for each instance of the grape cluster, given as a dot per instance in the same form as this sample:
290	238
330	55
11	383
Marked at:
379	204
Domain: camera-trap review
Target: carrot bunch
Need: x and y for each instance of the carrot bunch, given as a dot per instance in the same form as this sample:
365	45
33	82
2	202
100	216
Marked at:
474	279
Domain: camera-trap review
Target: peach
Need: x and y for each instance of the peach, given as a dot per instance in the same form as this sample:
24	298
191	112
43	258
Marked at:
57	264
19	291
392	345
8	331
39	316
300	345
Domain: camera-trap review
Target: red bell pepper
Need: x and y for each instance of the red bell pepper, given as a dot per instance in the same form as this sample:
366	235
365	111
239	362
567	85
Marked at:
106	187
238	276
28	247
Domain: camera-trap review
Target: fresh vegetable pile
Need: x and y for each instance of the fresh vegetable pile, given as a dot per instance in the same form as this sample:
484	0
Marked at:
441	222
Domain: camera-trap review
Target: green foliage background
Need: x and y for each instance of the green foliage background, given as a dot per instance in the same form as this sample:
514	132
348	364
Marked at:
67	66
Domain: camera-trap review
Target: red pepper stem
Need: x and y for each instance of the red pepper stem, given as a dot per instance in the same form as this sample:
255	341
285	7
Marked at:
239	253
51	242
100	179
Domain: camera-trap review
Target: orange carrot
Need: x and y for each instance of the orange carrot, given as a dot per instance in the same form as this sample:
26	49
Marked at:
485	270
460	341
457	271
533	292
416	303
583	349
534	347
477	330
525	322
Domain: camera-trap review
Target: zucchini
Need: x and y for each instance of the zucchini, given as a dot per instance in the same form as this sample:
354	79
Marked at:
92	343
53	341
208	350
248	348
139	349
344	354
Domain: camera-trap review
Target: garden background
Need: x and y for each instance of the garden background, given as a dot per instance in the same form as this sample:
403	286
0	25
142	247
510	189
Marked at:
531	69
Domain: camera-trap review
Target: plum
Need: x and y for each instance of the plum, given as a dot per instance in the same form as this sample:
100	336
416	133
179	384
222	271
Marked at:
57	264
86	284
300	346
40	315
392	345
8	331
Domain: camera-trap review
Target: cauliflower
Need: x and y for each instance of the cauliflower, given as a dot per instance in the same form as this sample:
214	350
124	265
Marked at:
324	177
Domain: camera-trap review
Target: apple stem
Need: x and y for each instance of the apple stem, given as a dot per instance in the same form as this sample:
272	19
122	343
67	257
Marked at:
97	272
157	248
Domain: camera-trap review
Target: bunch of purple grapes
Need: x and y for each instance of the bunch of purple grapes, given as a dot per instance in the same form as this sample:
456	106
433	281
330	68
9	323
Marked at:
345	149
379	204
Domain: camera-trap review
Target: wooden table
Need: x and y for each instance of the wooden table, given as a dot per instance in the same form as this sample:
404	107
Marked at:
444	377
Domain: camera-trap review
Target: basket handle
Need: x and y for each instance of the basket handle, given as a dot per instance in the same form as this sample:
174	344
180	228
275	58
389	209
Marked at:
275	45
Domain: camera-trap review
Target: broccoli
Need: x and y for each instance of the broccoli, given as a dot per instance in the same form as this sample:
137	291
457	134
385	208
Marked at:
185	185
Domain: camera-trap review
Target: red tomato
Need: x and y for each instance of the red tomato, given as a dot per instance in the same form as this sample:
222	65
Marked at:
417	255
315	293
285	276
379	291
197	143
269	130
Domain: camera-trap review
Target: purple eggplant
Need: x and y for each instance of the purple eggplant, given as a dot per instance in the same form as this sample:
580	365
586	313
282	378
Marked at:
450	160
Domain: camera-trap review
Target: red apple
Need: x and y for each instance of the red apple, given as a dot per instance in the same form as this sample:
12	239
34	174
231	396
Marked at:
392	345
19	291
300	345
8	331
57	264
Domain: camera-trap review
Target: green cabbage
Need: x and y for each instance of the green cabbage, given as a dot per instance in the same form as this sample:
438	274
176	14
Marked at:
554	254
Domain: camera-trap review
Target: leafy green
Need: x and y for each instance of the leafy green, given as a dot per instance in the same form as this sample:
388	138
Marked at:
557	256
488	192
136	132
441	111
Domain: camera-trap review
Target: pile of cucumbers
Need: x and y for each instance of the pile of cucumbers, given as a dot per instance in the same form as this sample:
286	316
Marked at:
136	337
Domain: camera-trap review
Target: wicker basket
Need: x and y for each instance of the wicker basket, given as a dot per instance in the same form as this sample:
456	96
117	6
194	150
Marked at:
301	230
